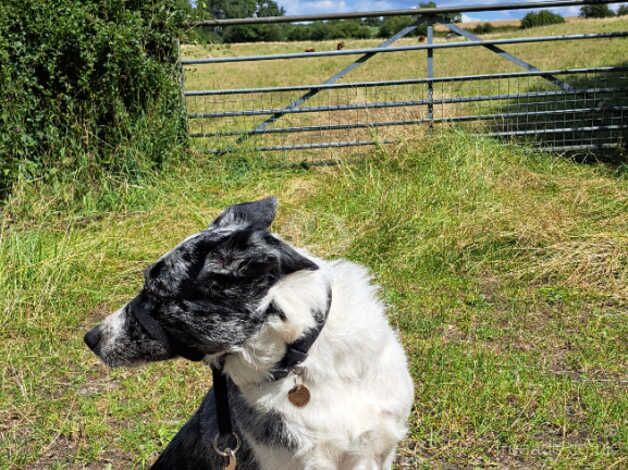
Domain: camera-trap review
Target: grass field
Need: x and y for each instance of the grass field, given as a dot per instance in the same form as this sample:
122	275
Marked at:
505	269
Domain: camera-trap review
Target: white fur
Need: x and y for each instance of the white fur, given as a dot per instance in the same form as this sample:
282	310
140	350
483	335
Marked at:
356	371
111	327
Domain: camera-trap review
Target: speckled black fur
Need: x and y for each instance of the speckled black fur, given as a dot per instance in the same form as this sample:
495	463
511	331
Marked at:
205	295
192	448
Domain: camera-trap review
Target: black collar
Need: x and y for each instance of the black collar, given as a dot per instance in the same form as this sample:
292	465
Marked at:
295	354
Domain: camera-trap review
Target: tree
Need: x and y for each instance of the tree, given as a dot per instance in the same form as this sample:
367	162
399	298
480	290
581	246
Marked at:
540	18
623	10
231	8
245	9
372	21
447	17
269	8
484	28
393	24
596	11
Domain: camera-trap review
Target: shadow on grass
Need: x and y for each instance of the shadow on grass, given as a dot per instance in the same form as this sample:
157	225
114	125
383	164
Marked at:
588	120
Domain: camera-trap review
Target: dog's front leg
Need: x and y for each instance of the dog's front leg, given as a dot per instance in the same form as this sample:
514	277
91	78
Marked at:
191	448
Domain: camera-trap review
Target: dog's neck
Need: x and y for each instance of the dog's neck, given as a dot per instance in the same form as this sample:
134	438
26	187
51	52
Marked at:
299	303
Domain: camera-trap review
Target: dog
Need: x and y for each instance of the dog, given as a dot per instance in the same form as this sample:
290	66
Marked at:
242	300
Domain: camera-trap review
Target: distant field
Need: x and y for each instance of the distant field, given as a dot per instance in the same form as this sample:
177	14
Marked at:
515	23
447	62
505	270
469	25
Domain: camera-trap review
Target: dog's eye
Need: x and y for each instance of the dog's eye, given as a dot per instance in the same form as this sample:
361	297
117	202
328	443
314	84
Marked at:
223	261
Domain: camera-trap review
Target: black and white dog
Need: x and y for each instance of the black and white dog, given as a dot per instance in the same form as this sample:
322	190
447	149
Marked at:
315	376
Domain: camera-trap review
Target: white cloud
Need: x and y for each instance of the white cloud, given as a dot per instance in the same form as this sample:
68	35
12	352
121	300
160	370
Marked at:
567	11
296	7
305	7
469	18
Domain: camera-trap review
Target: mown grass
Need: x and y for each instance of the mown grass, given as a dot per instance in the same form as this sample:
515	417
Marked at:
505	271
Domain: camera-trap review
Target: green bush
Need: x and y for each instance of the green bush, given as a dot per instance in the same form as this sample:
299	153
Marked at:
484	28
596	11
393	24
541	18
87	87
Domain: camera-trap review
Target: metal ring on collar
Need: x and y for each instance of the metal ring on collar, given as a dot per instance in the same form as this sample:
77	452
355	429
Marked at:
227	451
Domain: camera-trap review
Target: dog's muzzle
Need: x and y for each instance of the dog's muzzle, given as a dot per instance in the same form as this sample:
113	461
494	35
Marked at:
140	309
92	339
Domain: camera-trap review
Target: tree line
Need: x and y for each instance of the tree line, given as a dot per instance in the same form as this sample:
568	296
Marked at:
363	28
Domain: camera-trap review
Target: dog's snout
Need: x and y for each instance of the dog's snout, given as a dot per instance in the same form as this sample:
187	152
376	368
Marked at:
92	338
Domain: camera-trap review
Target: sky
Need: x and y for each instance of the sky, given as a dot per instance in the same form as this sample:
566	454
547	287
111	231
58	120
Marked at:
301	7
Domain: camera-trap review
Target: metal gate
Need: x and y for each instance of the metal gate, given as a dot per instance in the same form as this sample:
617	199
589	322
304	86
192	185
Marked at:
558	108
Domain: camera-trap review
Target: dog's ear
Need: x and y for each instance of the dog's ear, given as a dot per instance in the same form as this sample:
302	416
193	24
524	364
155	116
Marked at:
289	259
258	214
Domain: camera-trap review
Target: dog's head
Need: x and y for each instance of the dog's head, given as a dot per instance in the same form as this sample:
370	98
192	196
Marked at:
204	296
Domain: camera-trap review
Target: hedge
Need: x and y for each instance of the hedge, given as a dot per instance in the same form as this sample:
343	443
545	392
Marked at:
81	80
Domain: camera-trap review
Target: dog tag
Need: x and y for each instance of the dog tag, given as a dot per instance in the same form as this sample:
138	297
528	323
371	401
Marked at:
299	395
231	461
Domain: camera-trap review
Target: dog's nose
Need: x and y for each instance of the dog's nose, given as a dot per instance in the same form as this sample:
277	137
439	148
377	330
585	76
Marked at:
92	338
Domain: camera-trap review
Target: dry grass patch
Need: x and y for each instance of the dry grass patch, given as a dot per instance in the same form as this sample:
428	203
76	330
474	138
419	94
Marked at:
600	262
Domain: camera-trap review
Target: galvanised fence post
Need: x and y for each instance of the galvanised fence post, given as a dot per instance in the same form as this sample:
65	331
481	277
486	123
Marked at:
181	72
430	74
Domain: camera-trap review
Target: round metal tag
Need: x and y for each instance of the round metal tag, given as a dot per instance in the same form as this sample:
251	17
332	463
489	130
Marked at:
299	395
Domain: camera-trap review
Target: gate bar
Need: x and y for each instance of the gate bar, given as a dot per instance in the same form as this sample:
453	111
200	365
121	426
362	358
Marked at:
323	145
406	122
430	75
512	58
411	81
439	45
398	104
279	148
405	12
610	127
567	148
